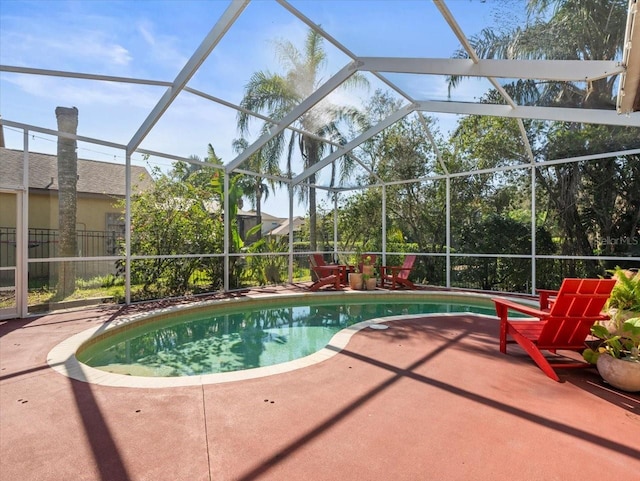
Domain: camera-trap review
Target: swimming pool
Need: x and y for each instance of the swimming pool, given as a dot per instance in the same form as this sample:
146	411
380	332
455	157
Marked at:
254	334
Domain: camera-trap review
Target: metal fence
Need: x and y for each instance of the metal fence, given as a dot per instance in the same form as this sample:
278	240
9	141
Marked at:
43	244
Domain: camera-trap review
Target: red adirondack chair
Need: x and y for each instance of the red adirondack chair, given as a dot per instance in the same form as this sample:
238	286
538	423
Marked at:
398	276
326	274
564	325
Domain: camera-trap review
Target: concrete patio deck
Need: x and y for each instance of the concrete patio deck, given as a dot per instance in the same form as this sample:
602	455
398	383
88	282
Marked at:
430	398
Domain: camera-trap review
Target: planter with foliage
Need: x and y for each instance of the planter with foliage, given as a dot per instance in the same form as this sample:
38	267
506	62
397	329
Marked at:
370	283
367	266
356	281
624	301
616	356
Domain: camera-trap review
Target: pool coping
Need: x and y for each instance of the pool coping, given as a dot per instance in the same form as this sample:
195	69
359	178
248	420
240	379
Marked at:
62	358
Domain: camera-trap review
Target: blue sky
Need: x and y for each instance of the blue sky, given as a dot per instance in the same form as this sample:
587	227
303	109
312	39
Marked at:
153	39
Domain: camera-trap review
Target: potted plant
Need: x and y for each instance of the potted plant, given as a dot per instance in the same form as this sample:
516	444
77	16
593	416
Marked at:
624	301
367	266
368	271
356	280
369	279
616	355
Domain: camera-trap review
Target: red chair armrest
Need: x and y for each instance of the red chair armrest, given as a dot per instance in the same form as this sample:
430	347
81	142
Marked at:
394	269
545	294
504	305
327	270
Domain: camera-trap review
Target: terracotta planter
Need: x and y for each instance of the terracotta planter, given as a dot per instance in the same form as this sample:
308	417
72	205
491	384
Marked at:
619	373
371	283
355	281
367	270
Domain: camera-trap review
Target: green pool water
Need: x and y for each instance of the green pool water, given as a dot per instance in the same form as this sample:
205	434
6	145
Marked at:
226	340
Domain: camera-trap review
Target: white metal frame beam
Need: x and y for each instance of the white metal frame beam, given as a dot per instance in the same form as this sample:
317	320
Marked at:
556	70
561	114
153	83
505	168
629	86
82	76
65	135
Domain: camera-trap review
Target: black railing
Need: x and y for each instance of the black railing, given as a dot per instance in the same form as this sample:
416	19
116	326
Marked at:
43	244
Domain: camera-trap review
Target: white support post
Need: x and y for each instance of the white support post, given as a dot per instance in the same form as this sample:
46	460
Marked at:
448	230
533	229
335	226
22	234
384	225
290	190
227	230
127	230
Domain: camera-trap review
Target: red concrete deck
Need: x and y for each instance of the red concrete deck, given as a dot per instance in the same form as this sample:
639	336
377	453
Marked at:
426	399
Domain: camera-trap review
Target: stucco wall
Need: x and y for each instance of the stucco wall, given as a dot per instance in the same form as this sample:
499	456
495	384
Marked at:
43	211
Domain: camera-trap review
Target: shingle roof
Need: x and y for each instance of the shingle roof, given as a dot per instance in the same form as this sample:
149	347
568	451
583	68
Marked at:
283	229
94	177
265	216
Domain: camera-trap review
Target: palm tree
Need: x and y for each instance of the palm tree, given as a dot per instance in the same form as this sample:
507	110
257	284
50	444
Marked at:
185	169
276	95
255	188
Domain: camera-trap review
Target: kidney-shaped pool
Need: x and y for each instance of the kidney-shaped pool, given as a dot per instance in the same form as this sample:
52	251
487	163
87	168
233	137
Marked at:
230	337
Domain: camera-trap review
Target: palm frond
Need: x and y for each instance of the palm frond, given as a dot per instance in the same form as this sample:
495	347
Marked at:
315	53
265	92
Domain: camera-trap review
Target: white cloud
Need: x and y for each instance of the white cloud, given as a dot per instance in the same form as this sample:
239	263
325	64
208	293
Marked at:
118	54
87	92
45	49
161	47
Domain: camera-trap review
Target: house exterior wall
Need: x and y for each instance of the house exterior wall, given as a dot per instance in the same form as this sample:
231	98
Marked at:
96	234
43	211
7	210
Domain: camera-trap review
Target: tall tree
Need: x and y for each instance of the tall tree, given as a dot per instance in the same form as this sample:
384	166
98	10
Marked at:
276	95
560	30
584	206
401	152
67	198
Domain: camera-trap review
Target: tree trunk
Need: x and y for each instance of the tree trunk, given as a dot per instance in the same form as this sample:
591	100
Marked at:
313	233
67	195
259	206
565	199
312	158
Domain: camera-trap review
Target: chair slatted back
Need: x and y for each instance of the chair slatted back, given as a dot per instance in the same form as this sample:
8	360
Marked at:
407	265
317	260
577	307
